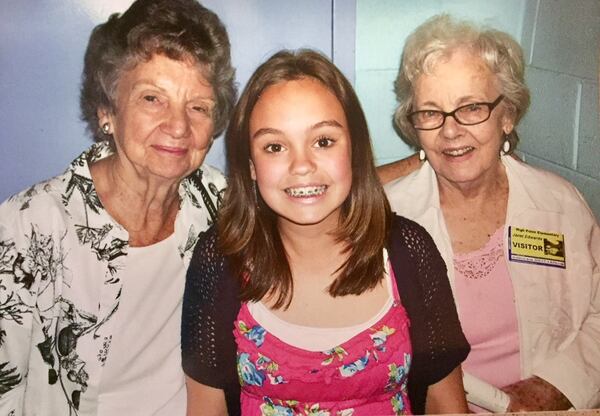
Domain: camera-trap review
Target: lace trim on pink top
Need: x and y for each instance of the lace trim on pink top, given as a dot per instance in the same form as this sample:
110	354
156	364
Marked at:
478	264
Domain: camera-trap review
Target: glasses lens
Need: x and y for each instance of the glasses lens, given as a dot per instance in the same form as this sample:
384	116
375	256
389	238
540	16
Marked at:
472	113
427	119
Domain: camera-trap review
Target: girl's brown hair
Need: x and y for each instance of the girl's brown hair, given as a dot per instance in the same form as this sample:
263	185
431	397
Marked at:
248	231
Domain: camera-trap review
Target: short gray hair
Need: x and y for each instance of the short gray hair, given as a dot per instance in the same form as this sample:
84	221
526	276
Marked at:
436	39
178	29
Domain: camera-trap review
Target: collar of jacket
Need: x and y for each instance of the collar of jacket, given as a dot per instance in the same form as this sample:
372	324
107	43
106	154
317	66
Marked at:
526	191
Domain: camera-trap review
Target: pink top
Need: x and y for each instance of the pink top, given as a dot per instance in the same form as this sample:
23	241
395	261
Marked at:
487	311
365	375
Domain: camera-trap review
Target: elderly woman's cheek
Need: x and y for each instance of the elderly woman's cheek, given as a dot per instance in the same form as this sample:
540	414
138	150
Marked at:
202	138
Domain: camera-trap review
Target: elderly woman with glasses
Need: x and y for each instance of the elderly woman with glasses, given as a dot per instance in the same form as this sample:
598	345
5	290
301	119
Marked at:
521	245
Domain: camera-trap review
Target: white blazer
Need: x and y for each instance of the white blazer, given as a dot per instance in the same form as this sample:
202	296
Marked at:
558	309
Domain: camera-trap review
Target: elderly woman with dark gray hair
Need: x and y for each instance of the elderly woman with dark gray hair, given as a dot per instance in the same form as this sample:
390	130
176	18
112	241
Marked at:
521	245
93	261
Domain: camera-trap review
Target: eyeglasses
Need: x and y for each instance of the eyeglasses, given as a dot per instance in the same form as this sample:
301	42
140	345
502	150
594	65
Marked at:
467	115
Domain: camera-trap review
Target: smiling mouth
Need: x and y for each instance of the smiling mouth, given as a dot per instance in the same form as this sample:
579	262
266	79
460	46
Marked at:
306	191
458	152
171	150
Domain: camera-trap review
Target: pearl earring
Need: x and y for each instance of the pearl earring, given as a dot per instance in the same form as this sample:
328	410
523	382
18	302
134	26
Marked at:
505	147
106	128
422	155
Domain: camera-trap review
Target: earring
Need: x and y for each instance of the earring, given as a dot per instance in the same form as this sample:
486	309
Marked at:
422	155
505	147
106	128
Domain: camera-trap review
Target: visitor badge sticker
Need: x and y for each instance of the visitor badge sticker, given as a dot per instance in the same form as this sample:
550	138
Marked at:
537	247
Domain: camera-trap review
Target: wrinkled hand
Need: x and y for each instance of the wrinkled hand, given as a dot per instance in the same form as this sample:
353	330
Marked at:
535	394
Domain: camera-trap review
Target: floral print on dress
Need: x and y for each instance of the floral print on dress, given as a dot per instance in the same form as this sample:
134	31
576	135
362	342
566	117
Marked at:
336	352
348	370
250	373
247	371
397	380
380	337
292	408
270	368
398	374
255	334
367	375
398	404
268	408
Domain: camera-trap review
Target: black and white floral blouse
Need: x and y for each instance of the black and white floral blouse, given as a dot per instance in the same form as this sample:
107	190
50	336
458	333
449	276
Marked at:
61	258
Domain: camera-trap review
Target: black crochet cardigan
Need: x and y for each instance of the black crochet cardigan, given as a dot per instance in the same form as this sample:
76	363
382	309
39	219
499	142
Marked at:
211	304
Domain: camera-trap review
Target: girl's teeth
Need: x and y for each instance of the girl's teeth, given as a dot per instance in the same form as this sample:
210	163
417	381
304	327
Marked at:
306	191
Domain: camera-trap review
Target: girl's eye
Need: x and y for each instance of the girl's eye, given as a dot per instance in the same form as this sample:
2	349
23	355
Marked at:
274	148
324	142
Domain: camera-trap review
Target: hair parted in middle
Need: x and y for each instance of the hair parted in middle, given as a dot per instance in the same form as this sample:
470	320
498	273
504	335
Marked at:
248	230
435	40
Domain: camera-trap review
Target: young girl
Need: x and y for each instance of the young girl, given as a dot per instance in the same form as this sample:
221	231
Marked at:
309	293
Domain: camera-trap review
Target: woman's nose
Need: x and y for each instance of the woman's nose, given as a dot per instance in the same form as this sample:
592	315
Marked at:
451	128
177	122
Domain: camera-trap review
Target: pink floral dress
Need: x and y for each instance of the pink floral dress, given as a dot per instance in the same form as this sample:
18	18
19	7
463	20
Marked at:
366	375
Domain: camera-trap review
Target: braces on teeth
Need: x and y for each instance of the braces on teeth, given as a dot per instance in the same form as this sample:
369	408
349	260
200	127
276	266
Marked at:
296	192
